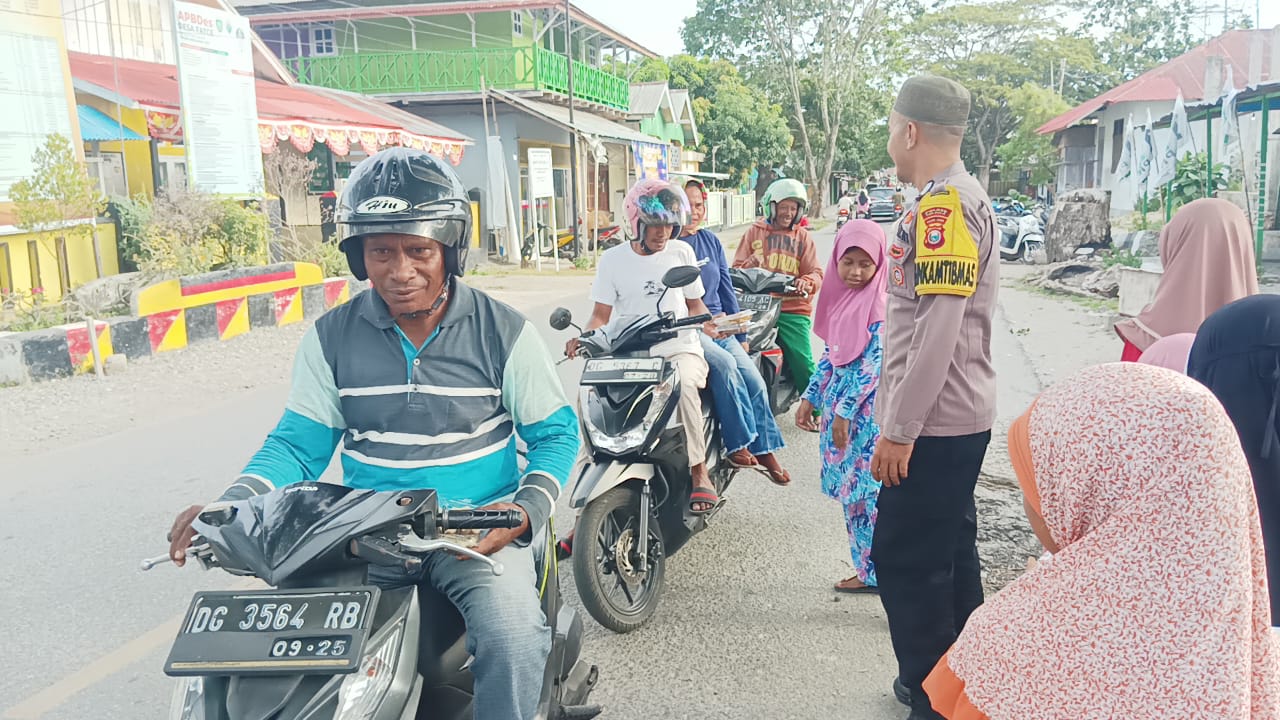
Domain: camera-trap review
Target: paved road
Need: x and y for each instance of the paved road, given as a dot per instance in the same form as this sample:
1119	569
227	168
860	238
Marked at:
748	628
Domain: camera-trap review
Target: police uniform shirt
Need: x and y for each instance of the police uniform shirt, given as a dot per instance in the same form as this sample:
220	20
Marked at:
938	380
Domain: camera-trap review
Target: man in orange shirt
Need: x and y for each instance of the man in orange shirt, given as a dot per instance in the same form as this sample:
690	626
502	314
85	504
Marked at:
778	243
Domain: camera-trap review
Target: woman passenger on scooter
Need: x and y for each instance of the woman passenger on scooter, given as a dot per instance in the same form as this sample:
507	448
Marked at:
849	316
751	434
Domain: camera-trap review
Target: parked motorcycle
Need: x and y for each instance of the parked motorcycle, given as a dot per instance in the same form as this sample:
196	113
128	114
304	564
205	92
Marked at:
1020	237
609	236
632	493
762	292
328	645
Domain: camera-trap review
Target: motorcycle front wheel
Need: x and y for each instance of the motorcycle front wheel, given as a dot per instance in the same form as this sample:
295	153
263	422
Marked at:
614	589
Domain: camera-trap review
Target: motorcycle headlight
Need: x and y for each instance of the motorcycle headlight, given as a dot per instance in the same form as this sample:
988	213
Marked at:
188	699
362	691
634	436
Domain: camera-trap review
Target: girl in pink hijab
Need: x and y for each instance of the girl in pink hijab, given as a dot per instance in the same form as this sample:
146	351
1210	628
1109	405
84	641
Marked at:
1207	253
842	392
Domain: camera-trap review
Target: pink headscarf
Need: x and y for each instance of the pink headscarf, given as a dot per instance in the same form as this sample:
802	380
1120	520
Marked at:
1170	352
844	317
1155	605
1207	253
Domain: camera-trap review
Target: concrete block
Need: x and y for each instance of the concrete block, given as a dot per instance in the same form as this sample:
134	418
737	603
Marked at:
313	304
130	336
1137	289
262	310
202	323
47	355
12	370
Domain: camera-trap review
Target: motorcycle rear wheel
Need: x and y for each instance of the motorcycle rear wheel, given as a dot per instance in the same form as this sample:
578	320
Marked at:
620	596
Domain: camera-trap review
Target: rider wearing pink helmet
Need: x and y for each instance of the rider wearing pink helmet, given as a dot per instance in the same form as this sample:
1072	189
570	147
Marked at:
629	282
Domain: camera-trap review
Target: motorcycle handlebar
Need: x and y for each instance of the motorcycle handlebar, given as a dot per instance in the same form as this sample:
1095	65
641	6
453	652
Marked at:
480	520
694	320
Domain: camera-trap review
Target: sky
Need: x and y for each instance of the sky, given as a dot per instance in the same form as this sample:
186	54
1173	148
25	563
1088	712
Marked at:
656	23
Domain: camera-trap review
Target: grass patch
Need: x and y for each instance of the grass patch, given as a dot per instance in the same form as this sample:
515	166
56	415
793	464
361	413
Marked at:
1092	304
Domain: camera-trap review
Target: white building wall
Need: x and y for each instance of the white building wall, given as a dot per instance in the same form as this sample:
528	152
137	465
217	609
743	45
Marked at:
1123	197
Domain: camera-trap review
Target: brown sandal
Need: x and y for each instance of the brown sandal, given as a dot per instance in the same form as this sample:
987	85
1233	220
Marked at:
742	459
770	466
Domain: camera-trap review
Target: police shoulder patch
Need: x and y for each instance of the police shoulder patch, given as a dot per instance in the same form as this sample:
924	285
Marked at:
946	252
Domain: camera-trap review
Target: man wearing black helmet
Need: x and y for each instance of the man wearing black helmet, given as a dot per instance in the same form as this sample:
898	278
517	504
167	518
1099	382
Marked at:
427	383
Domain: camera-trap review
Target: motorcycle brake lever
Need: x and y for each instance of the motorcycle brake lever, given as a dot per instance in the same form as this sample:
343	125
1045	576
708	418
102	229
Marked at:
416	545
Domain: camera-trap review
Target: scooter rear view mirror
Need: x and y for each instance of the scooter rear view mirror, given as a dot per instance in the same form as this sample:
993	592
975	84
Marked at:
681	276
561	318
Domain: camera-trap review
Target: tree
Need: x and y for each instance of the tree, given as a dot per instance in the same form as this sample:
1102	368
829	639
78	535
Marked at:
1137	35
821	51
988	48
736	122
1033	106
59	198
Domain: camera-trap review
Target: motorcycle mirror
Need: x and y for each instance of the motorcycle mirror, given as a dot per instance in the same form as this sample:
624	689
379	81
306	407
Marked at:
561	318
680	276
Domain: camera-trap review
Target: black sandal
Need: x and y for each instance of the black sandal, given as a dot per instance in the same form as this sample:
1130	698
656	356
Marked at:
703	496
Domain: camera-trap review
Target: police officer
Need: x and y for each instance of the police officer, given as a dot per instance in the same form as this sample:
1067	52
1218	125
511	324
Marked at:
937	401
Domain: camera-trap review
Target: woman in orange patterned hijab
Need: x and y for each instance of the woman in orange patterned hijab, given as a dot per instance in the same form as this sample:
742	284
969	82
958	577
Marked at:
1154	603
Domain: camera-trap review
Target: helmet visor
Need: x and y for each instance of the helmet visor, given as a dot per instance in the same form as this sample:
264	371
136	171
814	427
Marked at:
447	232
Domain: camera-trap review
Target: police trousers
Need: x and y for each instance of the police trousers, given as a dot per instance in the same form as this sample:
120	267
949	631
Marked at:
925	551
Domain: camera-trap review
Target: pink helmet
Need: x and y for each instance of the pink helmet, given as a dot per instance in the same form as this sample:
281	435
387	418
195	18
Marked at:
655	202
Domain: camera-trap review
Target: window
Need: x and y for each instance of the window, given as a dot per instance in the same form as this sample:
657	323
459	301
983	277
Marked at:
322	40
517	23
33	264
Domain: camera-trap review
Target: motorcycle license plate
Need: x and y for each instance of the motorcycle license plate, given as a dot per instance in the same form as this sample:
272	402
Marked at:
754	301
612	371
295	632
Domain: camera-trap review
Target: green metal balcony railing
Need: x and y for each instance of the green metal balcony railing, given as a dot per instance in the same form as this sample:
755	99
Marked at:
421	71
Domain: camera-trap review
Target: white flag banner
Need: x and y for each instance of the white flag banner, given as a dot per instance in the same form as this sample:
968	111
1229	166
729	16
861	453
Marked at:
1124	170
1230	123
1181	129
1165	163
1142	159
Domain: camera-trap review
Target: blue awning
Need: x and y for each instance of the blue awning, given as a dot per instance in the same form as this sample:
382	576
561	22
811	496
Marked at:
95	126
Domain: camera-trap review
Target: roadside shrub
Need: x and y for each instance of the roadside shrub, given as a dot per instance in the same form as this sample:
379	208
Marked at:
23	310
191	232
294	246
1122	257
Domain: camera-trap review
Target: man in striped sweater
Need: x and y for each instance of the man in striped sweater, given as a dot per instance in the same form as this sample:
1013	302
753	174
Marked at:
426	383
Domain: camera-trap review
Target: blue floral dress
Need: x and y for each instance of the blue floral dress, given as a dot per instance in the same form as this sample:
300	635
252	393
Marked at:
850	392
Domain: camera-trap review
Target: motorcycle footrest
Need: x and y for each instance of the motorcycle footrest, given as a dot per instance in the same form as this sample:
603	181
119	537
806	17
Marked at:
580	712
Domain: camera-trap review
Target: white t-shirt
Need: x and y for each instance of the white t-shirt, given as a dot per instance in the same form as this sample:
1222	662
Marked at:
631	283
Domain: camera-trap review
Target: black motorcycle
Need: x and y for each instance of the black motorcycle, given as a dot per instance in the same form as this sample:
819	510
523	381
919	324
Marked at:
632	494
762	292
328	645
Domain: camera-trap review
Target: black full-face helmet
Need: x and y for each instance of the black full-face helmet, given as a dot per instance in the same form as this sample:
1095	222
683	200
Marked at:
406	191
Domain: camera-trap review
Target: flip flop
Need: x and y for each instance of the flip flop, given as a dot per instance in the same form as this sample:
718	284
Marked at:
738	463
701	496
779	477
864	590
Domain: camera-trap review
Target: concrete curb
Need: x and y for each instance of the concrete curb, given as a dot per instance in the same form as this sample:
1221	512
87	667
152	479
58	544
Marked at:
68	350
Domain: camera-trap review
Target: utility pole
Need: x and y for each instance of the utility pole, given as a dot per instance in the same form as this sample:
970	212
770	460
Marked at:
1062	76
713	159
573	135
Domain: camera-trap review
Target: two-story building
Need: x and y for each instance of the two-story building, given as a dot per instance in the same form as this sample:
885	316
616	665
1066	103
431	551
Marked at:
493	69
